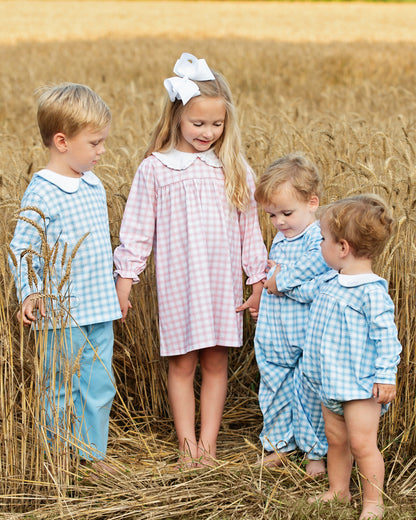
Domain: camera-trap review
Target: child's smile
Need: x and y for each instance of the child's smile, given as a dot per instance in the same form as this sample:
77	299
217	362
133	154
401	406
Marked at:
202	124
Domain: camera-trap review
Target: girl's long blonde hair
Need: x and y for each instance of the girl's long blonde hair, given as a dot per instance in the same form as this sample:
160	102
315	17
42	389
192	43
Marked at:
166	134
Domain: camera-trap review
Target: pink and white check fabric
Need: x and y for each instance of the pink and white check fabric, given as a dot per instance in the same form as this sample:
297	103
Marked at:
177	205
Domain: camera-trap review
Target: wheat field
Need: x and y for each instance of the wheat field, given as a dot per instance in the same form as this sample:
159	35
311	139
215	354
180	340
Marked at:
337	81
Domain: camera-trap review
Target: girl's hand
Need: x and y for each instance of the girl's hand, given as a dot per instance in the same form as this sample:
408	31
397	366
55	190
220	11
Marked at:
32	302
123	287
253	302
384	393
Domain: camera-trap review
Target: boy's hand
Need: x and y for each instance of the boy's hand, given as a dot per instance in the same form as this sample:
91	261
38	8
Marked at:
26	313
384	393
123	287
270	284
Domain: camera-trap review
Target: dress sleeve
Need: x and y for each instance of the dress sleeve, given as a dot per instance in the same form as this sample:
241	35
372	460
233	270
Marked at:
382	330
254	252
308	265
30	235
138	225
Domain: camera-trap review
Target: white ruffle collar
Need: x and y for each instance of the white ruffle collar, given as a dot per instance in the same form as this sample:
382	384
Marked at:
68	184
353	280
177	160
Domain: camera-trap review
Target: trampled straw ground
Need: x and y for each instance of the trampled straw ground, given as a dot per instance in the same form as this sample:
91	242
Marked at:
334	80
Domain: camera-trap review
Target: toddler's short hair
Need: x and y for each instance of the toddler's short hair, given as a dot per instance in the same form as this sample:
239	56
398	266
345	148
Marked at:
69	108
364	221
295	168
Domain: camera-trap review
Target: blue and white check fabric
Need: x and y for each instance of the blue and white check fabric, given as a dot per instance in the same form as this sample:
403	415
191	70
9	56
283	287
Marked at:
280	334
351	341
72	208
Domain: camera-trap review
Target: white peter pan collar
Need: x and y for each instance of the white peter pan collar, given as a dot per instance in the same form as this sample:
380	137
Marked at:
177	160
353	280
68	184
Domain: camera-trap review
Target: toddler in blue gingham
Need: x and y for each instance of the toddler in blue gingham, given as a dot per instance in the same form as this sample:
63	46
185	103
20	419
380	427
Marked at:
351	350
65	207
289	192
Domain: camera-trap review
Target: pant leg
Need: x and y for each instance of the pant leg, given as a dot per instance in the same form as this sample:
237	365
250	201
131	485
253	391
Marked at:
94	390
275	399
80	387
308	421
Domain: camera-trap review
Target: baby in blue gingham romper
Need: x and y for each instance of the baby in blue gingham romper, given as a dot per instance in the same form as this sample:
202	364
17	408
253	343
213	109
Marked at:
351	350
289	192
64	207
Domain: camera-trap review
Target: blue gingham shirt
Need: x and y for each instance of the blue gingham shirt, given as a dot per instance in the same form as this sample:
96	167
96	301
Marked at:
280	329
351	340
72	208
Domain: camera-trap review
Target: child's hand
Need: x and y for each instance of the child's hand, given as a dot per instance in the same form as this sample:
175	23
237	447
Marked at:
270	264
32	302
123	287
270	284
384	393
253	302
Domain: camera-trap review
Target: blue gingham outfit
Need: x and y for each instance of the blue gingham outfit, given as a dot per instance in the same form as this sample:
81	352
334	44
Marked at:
351	341
74	207
279	338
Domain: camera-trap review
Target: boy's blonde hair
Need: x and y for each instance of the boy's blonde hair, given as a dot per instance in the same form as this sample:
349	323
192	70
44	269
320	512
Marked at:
166	135
295	168
69	108
364	221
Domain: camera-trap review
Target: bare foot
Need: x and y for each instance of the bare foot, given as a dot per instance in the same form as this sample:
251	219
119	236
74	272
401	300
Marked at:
95	468
329	495
206	458
315	468
274	460
372	511
185	462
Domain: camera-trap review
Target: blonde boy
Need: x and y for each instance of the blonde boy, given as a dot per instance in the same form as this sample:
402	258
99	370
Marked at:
71	208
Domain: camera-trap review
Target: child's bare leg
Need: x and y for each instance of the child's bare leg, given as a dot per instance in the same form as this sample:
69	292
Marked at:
339	459
214	372
182	403
315	468
362	419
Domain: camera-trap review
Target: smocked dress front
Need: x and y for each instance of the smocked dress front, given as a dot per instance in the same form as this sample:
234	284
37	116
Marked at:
177	206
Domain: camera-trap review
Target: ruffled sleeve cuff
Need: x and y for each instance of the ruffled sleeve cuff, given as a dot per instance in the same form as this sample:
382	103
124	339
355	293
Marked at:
126	274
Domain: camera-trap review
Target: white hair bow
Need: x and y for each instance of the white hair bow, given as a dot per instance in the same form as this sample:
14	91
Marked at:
187	68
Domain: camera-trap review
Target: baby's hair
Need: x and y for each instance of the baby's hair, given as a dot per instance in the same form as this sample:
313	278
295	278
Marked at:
295	168
166	135
69	108
364	221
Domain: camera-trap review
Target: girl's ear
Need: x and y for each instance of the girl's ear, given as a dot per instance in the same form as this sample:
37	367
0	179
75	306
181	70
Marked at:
59	141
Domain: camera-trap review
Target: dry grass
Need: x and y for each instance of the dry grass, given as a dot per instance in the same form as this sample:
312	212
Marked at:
351	107
47	20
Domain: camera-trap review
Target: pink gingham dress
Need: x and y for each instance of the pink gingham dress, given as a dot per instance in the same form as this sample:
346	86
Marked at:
177	205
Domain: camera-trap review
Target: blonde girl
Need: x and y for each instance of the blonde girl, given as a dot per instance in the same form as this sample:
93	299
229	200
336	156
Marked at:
192	202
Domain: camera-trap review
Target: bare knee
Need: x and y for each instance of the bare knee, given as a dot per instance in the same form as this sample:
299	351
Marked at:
214	360
362	446
183	366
